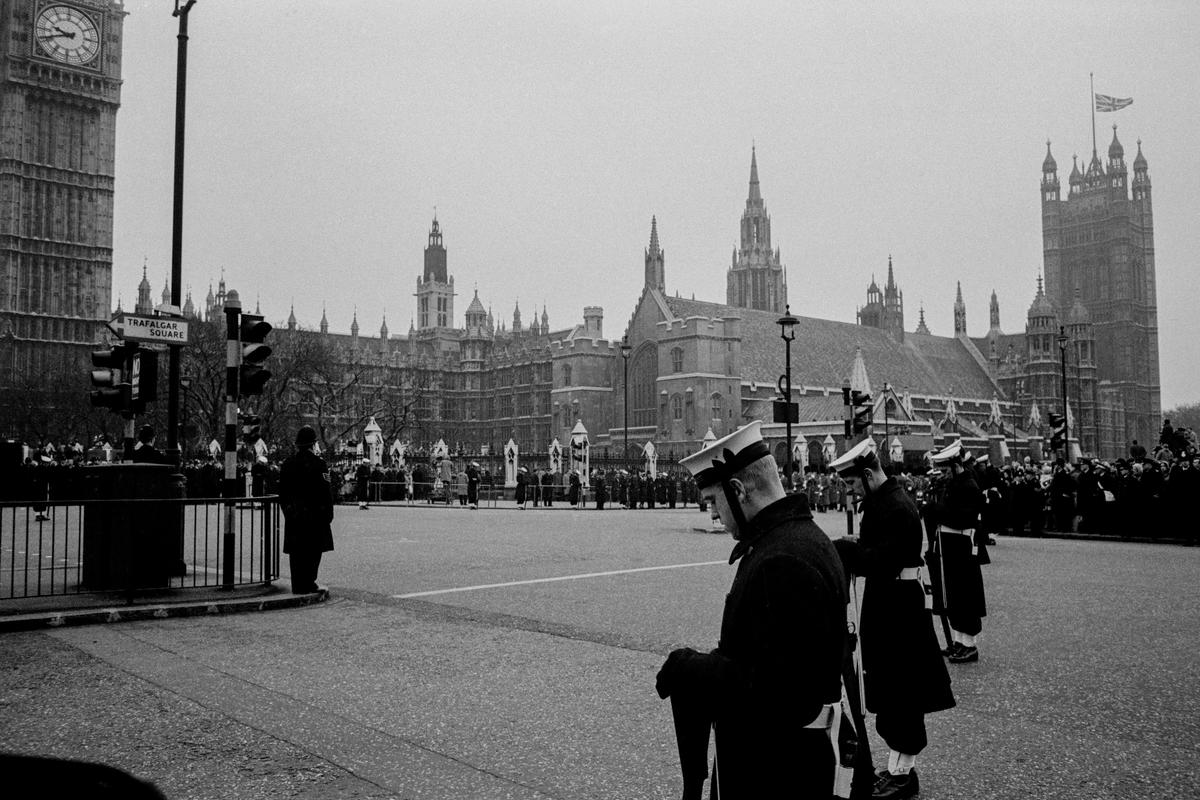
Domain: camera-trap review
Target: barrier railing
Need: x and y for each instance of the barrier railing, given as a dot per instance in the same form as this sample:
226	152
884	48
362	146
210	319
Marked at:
129	546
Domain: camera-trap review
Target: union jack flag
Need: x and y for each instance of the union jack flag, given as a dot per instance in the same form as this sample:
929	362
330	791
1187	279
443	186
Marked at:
1105	102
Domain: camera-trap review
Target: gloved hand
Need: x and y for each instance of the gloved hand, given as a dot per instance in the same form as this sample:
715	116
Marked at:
671	674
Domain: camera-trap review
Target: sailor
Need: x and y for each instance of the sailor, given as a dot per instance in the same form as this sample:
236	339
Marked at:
903	672
771	686
958	549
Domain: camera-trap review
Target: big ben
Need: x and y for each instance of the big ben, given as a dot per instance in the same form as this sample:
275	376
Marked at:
59	94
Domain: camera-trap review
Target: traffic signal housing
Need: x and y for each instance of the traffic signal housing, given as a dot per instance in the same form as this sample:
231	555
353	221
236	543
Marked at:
143	379
252	375
111	388
1058	431
251	428
862	412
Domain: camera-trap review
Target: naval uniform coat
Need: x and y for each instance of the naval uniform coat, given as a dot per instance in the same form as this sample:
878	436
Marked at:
779	659
903	670
962	580
307	502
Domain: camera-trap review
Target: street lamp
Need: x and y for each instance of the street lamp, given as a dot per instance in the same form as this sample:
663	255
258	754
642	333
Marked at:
625	350
177	230
1062	351
787	324
887	436
185	384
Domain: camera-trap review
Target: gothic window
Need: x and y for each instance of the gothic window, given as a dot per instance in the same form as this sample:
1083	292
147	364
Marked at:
677	359
715	405
566	374
676	407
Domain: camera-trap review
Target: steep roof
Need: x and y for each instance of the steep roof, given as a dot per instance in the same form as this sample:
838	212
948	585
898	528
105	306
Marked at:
823	353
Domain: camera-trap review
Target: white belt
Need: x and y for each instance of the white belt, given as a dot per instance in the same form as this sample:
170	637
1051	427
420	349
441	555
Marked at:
909	574
824	719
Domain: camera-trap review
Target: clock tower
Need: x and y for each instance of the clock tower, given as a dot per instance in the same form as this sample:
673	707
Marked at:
60	87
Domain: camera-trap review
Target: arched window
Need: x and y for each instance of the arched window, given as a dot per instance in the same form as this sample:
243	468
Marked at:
676	407
715	405
566	374
677	359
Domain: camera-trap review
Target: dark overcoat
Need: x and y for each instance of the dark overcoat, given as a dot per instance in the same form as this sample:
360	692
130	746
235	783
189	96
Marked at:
307	502
903	670
522	478
960	590
779	658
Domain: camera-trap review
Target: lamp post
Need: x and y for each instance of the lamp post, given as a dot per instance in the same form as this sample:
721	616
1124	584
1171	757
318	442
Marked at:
887	435
177	230
625	350
787	324
1062	352
185	384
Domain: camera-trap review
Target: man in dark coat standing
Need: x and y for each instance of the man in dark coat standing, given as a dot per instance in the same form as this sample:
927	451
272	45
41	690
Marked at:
307	501
903	672
771	685
960	552
144	452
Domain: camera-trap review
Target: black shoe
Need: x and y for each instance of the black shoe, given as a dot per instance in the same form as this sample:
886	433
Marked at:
965	655
951	649
897	787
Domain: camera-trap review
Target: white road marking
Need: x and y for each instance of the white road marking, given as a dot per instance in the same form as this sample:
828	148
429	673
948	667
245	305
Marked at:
559	578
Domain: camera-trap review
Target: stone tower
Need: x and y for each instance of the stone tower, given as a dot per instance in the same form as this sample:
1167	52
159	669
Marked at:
1101	239
59	94
435	288
756	278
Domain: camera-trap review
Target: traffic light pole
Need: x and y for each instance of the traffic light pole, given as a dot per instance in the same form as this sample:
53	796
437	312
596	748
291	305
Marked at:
233	357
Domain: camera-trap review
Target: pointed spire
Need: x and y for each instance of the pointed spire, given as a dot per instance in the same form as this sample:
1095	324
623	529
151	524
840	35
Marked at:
755	194
291	320
653	235
354	323
891	281
859	381
921	326
324	322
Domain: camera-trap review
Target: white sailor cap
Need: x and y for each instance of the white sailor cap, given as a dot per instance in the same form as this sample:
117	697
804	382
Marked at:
950	453
985	458
855	457
727	456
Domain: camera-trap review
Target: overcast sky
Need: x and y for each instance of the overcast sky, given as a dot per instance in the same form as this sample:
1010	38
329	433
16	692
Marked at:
321	135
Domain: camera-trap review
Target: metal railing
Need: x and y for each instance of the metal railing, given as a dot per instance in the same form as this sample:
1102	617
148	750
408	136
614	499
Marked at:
128	546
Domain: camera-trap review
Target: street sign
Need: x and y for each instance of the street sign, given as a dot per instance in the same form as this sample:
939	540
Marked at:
160	330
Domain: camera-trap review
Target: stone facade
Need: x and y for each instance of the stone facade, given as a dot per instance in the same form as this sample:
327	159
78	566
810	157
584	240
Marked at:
57	146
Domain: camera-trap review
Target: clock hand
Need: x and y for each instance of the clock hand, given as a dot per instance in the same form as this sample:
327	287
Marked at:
61	32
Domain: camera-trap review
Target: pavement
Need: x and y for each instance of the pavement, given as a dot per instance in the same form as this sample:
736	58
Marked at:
498	654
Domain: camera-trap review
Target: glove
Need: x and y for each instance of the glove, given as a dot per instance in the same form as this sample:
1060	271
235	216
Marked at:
671	674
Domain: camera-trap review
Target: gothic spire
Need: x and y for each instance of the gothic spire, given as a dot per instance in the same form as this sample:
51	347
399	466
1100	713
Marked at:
755	195
653	235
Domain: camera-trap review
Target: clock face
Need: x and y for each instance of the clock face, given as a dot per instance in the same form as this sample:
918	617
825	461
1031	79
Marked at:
68	35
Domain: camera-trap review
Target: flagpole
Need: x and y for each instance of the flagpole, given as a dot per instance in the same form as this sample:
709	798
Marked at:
1092	78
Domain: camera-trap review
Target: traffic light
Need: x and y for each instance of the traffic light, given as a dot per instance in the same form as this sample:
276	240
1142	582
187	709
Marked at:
252	376
143	379
1058	431
251	428
109	388
863	412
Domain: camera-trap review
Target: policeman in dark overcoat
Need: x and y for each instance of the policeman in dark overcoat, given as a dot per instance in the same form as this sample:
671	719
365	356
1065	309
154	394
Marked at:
307	501
960	552
771	684
903	672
